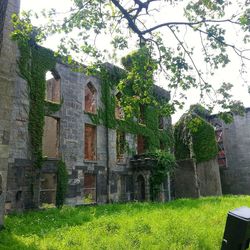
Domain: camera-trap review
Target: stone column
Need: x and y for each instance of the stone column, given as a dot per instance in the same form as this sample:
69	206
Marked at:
8	56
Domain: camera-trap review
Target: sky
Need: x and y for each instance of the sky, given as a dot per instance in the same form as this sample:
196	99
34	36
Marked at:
230	73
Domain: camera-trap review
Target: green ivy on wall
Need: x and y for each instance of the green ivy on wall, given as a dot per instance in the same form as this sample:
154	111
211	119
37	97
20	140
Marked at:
194	138
34	62
136	87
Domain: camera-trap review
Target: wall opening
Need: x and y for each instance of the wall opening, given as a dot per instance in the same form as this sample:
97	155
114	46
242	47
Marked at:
90	142
119	113
141	144
53	87
90	98
89	188
141	188
51	137
120	145
48	188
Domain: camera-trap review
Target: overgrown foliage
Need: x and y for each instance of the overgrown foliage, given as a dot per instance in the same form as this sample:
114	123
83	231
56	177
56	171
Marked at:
34	62
165	164
171	41
181	224
141	108
194	138
62	183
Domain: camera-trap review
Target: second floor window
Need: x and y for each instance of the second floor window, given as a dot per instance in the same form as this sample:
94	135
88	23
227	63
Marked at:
53	88
51	137
90	142
120	145
90	98
141	144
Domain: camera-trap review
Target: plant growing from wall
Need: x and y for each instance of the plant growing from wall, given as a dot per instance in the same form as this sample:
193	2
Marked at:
34	61
194	138
62	183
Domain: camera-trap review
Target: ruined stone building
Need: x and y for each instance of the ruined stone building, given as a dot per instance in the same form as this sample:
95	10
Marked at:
99	166
234	157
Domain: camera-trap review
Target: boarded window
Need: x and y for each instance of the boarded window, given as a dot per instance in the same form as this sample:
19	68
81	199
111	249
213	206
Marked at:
120	145
90	98
90	142
119	113
48	188
141	144
53	88
51	137
161	122
89	188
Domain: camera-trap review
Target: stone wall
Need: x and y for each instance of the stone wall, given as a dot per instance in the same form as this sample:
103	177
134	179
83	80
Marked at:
209	178
193	180
235	177
186	183
3	7
7	80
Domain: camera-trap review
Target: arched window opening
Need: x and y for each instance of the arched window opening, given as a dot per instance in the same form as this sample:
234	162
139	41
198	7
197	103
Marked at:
90	98
119	113
53	87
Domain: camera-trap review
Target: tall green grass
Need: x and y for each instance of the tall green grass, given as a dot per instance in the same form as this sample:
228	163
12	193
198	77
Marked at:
181	224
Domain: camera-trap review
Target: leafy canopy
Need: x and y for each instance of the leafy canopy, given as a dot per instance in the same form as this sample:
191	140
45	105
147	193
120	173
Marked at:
88	23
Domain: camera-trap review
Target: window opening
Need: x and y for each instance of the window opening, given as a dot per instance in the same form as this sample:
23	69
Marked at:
119	113
90	98
53	87
89	188
120	145
51	137
90	142
48	188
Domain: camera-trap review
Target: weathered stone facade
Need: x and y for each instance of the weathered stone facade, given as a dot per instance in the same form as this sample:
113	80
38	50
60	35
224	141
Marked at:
100	180
235	141
7	80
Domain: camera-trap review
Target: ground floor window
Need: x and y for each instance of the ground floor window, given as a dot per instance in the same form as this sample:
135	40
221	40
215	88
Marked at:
89	188
48	188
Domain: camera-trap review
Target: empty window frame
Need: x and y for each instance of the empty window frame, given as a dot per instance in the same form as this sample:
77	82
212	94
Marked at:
90	142
119	113
120	145
48	188
89	188
221	154
53	87
90	103
51	137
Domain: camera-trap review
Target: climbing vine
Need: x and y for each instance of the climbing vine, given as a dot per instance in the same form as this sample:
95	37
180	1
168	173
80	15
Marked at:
34	61
62	183
194	138
135	84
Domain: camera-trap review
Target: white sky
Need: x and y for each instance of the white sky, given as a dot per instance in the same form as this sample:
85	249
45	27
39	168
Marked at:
230	73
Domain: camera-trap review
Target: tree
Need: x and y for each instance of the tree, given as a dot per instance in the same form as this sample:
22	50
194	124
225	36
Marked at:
124	21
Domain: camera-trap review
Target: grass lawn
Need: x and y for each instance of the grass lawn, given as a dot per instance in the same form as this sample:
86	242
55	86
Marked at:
181	224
